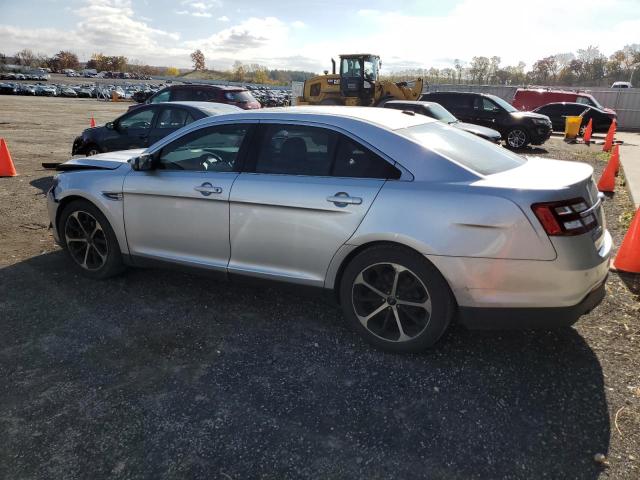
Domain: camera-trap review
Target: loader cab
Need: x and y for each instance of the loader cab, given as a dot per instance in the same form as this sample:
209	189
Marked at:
358	75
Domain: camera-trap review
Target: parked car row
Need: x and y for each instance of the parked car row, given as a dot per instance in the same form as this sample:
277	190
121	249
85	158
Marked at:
271	97
40	77
518	128
73	91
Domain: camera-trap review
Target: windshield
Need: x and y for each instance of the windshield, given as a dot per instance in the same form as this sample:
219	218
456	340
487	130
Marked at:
503	103
438	112
371	68
589	100
239	96
463	148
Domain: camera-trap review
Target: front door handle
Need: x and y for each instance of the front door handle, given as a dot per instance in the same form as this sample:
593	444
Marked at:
207	189
342	199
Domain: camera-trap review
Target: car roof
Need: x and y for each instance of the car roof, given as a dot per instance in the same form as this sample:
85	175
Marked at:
207	85
412	102
569	103
208	106
386	118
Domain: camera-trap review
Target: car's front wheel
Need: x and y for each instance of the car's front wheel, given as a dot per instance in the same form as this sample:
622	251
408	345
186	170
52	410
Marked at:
89	240
517	137
396	299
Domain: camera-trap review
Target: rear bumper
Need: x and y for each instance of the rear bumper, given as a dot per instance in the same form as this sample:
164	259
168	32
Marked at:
515	292
529	318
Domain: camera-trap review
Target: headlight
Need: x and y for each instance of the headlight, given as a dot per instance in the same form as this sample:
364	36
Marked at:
541	121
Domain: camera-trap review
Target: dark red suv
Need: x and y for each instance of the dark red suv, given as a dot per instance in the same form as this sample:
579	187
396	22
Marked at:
238	96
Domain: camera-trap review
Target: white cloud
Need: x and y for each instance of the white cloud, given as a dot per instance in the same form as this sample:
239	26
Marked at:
199	8
490	27
254	36
402	38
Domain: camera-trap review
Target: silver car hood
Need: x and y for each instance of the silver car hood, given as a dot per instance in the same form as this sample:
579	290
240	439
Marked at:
107	161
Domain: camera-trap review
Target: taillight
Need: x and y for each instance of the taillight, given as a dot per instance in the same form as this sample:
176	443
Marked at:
565	218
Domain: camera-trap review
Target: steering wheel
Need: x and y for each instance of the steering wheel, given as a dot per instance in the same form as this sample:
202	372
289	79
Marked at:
213	159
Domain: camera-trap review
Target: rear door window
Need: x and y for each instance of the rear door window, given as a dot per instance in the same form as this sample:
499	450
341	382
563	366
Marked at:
196	94
315	151
173	118
355	160
296	150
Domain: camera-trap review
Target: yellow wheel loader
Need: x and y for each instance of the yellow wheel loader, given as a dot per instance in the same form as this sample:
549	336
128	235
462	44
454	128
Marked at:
357	84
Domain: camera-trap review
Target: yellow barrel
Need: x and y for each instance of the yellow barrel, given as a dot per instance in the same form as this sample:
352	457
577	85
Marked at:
572	126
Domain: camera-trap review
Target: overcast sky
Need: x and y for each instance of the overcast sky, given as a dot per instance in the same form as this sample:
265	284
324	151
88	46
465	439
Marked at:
305	34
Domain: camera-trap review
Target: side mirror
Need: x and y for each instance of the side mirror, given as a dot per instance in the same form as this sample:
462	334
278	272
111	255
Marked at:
142	163
110	125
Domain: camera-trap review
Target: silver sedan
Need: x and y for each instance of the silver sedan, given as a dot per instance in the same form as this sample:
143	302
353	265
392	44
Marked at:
411	223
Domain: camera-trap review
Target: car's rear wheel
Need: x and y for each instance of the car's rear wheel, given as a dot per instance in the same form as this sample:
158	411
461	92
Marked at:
517	137
396	299
89	240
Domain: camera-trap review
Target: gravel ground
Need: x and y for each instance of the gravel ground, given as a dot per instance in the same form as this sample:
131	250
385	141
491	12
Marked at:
157	374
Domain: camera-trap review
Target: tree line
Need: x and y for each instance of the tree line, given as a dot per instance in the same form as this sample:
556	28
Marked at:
65	59
586	67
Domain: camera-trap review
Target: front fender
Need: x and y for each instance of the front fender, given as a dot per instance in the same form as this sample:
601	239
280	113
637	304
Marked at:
91	185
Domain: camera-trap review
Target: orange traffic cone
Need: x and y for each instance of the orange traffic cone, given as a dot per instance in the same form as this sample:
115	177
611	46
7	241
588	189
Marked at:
6	164
608	141
628	258
607	181
93	122
587	132
615	157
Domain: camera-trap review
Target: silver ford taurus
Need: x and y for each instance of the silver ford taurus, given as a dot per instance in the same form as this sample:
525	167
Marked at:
412	223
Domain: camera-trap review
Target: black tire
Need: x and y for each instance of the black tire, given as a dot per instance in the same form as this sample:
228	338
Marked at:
517	138
373	266
99	249
91	149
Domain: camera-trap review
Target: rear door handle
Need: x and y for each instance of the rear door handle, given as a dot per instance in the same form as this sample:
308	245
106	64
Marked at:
207	189
342	199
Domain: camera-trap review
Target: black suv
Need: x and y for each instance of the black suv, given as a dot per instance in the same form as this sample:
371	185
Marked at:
238	96
518	129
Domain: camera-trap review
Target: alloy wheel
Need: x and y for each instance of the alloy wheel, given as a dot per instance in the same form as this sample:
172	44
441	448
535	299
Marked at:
92	152
516	138
86	240
391	302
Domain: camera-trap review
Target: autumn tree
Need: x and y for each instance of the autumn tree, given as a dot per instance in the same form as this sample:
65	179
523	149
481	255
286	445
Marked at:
25	57
197	58
172	72
63	60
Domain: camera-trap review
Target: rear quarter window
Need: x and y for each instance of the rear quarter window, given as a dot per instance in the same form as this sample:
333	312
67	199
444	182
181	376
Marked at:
463	148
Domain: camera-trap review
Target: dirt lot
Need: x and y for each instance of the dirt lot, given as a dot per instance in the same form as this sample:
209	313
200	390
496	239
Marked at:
158	374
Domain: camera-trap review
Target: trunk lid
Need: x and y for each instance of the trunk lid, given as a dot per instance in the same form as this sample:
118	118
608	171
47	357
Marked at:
542	180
